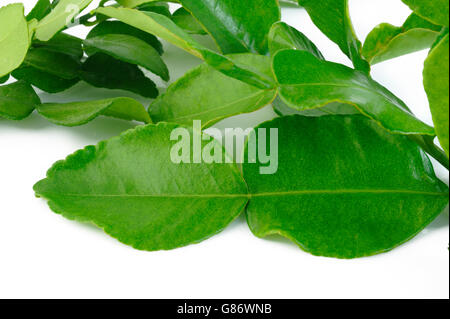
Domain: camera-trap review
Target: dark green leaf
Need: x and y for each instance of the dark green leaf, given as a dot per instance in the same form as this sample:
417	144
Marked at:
129	49
62	43
332	18
237	26
3	79
40	10
129	187
17	100
14	40
309	83
195	96
436	11
387	41
45	81
436	81
101	70
157	7
186	21
283	37
79	113
344	187
117	27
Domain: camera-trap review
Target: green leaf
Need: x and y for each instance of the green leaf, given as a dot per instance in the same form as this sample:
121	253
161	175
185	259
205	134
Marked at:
436	81
17	100
130	49
166	29
387	41
45	81
117	27
79	113
62	43
40	10
129	187
62	15
436	11
3	79
134	3
333	19
309	83
104	71
344	187
333	108
237	26
13	38
157	7
195	96
283	37
186	21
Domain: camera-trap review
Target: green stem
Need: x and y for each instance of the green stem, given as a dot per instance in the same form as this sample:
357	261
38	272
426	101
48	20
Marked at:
427	144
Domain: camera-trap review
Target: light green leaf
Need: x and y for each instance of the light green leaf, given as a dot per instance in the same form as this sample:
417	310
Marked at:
79	113
344	187
284	37
131	50
309	83
387	41
237	26
13	38
129	187
207	95
62	15
436	11
436	81
333	19
17	100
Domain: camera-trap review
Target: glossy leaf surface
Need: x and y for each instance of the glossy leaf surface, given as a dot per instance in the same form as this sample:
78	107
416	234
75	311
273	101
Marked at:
79	113
130	187
363	195
195	96
332	18
309	83
436	81
436	11
237	26
13	38
17	100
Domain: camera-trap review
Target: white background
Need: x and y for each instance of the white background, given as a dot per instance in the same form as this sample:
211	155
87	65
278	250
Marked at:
43	255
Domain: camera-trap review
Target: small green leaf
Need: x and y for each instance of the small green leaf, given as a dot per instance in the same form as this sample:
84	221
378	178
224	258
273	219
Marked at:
237	26
309	83
344	187
333	19
40	10
129	187
436	11
186	21
79	113
284	37
45	81
104	71
436	81
13	38
117	27
130	49
62	15
62	43
195	96
387	41
17	100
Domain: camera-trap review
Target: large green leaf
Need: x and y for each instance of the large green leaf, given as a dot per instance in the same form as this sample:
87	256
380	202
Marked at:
104	71
40	10
13	38
164	28
45	81
387	41
117	27
309	83
17	100
195	96
131	50
62	43
79	113
237	26
62	15
284	37
130	187
436	11
344	187
333	19
436	81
